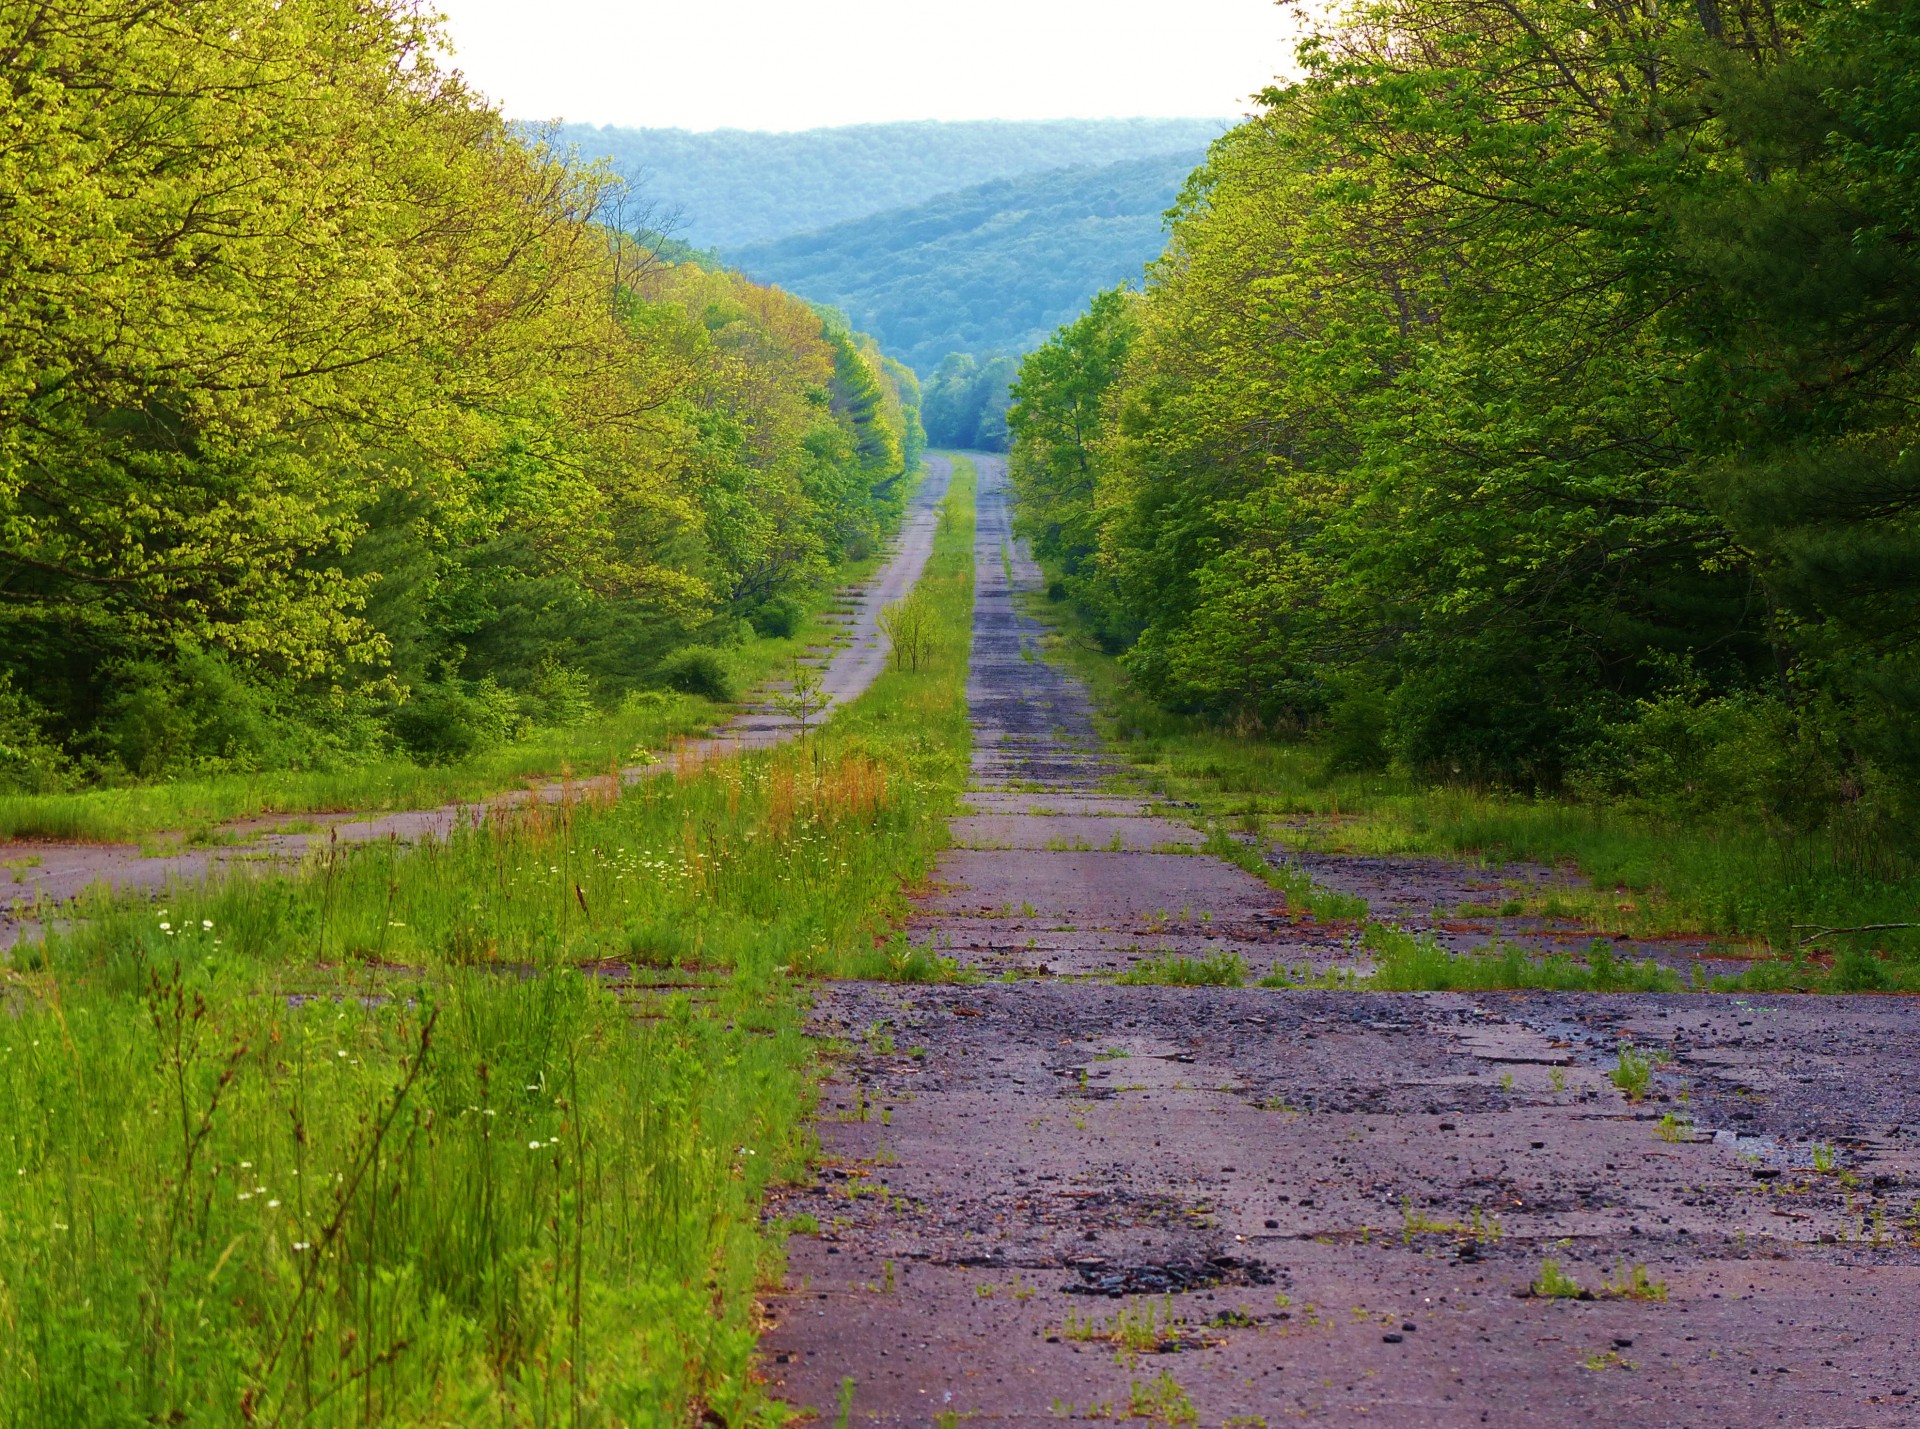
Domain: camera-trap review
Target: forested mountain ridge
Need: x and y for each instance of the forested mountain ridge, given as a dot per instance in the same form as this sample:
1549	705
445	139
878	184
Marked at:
989	269
733	188
1527	398
275	491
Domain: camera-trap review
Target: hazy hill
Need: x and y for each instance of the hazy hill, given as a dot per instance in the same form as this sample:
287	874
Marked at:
734	187
992	268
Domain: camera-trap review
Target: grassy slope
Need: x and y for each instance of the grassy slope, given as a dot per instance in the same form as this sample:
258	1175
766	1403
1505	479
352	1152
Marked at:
1727	880
364	1144
193	807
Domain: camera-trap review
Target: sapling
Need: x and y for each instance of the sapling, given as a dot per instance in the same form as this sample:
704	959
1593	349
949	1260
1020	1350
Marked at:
805	697
1674	1128
908	626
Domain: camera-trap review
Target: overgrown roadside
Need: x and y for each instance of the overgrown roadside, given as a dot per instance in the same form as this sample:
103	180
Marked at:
585	741
1730	904
38	877
472	1132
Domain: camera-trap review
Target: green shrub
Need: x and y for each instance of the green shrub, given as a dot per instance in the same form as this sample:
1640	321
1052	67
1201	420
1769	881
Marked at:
1356	732
30	762
560	698
777	619
197	713
699	670
1492	712
1685	754
1859	969
442	724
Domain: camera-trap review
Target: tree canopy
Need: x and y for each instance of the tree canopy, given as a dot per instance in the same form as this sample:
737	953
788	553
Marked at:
323	389
1528	392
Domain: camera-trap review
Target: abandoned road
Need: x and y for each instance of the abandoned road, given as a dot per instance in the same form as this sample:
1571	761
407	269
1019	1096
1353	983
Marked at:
1057	1197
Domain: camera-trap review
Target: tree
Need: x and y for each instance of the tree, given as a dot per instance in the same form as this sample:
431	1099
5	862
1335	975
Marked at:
908	626
1523	366
325	387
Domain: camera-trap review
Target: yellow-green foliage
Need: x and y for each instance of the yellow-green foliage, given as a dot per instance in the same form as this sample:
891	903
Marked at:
469	1133
327	388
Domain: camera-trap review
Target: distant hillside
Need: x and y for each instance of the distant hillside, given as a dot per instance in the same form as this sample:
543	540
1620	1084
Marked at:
993	268
734	187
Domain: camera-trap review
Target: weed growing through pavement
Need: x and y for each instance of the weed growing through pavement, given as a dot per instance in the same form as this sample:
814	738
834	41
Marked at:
1249	854
1161	1401
897	960
1223	969
1674	1128
1408	962
1479	1228
1633	1283
1632	1073
1553	1283
1133	1331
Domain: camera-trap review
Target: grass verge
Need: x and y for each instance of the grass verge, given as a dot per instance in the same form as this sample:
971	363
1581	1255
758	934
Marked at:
474	1133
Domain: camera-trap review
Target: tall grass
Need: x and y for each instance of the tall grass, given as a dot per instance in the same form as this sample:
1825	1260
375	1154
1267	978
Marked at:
473	1199
473	1133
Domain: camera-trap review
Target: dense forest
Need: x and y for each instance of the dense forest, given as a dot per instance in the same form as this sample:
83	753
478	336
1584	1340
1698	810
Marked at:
1526	396
985	270
733	188
338	420
965	402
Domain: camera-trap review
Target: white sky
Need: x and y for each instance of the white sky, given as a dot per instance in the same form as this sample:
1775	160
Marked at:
800	64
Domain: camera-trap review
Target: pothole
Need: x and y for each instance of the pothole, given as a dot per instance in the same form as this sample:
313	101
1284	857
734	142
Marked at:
1103	1277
